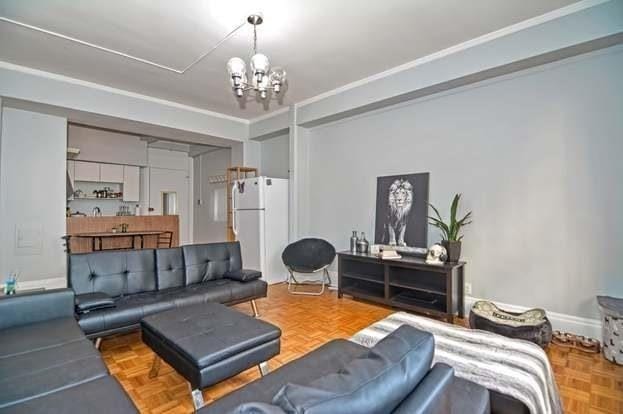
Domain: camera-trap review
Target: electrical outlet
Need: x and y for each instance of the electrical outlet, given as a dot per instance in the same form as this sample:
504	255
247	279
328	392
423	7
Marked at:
468	288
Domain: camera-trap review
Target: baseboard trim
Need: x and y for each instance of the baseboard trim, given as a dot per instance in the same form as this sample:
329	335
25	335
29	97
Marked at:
560	321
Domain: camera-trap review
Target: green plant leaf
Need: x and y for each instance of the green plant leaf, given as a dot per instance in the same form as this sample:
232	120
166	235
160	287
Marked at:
440	225
436	211
454	229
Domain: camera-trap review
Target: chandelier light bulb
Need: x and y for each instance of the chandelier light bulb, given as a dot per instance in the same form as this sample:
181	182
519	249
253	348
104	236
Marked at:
277	78
236	67
259	66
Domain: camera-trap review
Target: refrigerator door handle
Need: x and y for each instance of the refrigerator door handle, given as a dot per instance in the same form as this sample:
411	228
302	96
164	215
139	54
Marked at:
233	208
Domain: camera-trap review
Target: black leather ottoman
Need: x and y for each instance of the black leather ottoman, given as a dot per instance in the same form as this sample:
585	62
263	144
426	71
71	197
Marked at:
209	343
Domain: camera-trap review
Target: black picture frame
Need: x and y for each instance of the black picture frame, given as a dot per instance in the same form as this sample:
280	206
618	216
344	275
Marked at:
402	226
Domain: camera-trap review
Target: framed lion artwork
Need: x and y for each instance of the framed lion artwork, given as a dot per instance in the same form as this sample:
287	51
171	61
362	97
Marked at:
402	212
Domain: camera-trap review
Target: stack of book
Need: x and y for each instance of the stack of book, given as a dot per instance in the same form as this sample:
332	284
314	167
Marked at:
389	254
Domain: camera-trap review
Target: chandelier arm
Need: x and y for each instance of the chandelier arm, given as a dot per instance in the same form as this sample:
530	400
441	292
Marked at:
248	87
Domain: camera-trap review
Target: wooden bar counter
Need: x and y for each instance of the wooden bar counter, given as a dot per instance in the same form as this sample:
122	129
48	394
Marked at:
79	225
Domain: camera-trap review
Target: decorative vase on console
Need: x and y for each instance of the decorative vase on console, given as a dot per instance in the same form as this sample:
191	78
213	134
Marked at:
451	231
353	242
362	244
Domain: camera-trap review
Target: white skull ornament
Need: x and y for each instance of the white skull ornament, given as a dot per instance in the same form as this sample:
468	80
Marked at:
436	254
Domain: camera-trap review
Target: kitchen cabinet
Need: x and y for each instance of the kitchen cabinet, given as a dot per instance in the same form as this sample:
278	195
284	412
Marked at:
111	173
131	183
86	171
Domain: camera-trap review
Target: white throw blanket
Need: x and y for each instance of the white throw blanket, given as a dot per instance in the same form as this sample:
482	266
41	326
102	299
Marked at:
509	366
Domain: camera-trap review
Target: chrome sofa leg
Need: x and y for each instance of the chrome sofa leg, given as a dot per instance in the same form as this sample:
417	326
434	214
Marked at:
155	367
256	314
263	367
98	343
197	397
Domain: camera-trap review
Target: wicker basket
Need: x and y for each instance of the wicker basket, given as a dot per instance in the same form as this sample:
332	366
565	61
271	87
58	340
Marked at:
612	328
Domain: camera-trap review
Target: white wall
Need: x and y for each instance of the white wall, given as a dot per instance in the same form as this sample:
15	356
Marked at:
210	199
537	156
275	157
32	201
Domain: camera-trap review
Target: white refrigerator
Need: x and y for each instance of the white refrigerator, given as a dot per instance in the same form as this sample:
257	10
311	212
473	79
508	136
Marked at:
260	223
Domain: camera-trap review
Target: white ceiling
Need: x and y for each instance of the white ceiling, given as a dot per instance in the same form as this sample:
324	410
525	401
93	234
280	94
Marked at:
323	44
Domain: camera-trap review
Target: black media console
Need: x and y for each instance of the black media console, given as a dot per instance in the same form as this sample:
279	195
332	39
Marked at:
408	283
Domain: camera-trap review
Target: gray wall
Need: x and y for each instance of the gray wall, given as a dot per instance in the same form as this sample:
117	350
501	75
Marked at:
275	159
537	157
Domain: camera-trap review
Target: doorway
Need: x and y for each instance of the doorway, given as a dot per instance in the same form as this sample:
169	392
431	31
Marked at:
169	194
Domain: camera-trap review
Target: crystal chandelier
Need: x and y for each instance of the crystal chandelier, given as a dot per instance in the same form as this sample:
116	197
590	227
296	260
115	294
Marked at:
263	78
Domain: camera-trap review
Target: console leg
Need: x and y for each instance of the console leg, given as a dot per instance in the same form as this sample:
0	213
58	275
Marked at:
98	342
264	370
155	367
256	314
197	398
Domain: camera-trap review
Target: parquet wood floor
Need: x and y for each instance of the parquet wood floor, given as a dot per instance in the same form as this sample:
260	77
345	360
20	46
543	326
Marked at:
588	383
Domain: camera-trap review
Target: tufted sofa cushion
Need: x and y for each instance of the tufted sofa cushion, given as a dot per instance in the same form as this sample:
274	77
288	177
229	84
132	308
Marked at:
115	273
205	262
170	268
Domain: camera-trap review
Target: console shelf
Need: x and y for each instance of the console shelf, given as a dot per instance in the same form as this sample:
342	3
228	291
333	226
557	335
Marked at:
409	283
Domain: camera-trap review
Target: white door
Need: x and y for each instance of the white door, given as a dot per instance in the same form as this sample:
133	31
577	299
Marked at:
249	225
171	186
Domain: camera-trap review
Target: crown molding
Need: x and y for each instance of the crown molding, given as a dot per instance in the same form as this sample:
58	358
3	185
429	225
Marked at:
269	115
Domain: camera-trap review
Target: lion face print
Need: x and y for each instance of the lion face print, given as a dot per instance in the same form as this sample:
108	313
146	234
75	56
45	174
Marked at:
400	200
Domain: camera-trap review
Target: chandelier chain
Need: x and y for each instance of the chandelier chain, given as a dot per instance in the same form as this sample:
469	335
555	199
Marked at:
254	39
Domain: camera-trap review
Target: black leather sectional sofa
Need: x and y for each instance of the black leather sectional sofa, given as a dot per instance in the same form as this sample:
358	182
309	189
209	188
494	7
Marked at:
47	364
116	289
395	376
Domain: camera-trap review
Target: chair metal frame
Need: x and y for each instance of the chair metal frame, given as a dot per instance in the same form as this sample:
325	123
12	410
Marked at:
326	281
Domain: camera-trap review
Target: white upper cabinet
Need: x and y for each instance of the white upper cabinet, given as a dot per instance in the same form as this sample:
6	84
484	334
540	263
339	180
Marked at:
131	183
111	173
86	171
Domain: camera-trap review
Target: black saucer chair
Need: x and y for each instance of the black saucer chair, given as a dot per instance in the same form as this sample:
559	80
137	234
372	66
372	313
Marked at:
308	256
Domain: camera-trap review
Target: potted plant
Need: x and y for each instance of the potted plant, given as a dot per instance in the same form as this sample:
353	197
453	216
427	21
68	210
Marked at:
451	231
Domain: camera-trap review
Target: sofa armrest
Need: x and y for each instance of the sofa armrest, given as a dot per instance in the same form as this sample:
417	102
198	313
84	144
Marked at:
243	275
88	302
33	307
432	394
